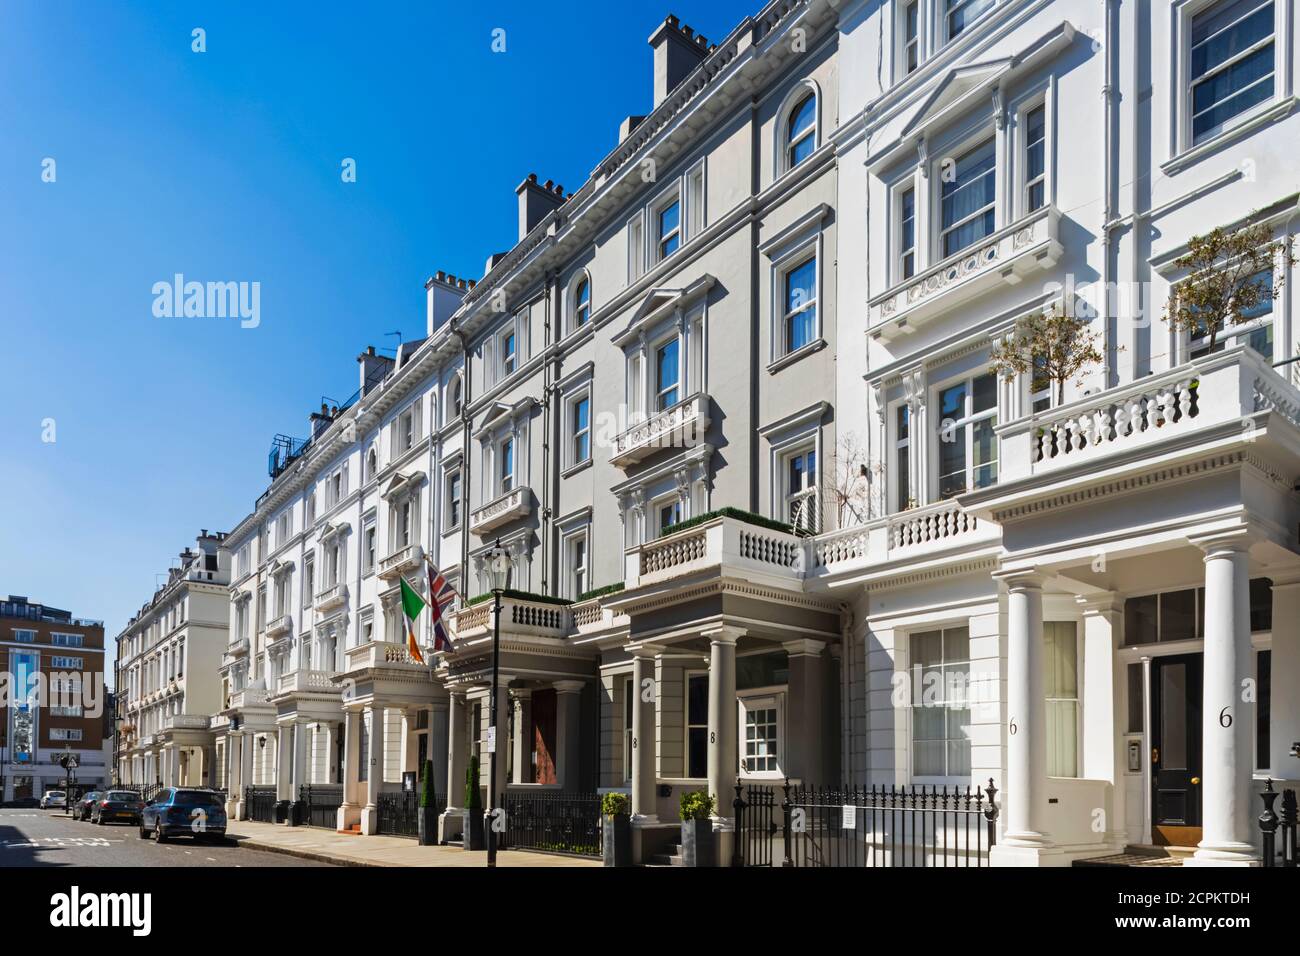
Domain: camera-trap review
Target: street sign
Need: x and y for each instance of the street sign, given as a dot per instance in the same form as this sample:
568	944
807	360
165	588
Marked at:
492	740
848	817
70	761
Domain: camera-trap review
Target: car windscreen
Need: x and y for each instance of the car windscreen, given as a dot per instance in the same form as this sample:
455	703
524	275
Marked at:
57	793
122	796
196	798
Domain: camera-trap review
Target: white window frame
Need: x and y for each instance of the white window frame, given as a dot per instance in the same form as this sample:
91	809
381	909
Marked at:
901	272
656	391
774	701
636	246
1023	144
790	497
369	545
572	433
666	501
501	482
576	309
59	639
1182	13
948	7
453	505
672	196
980	137
899	443
308	579
903	42
783	267
687	726
577	580
629	709
695	192
918	692
967	420
1074	728
793	100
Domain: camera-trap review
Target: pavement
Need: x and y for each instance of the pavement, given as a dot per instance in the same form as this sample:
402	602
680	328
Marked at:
48	838
345	849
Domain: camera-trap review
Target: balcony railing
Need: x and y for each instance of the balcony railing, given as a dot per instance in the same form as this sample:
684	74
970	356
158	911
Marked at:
334	596
1004	258
248	697
280	626
917	533
758	552
189	722
518	616
1214	391
404	559
514	504
237	647
591	616
380	654
684	425
306	681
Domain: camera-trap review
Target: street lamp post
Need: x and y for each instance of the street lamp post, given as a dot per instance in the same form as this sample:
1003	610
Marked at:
498	562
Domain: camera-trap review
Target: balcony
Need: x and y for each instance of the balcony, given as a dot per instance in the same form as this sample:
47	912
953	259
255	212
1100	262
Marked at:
591	617
248	697
684	425
926	533
378	654
400	561
332	597
306	681
238	647
1006	257
1164	414
514	504
760	554
519	615
188	722
280	627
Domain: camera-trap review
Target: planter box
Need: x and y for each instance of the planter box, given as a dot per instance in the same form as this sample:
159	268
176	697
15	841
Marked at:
617	842
699	846
472	829
427	818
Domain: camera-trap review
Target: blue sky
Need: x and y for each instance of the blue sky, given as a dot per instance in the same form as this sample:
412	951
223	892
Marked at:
225	166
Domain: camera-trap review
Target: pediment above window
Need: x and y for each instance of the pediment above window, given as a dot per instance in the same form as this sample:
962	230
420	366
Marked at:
498	413
658	304
957	92
401	484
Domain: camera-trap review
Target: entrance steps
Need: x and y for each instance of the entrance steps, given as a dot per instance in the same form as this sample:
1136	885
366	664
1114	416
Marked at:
1142	855
671	856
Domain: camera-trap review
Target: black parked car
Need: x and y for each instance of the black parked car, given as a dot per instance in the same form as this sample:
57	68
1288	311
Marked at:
117	805
184	811
82	810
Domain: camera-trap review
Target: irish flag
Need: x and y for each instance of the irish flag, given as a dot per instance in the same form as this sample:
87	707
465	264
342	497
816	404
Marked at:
412	605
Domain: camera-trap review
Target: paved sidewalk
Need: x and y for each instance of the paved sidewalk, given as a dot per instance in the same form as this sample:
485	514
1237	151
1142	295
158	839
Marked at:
344	849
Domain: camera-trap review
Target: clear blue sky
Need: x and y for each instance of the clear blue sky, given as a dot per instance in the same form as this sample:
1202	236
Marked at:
225	166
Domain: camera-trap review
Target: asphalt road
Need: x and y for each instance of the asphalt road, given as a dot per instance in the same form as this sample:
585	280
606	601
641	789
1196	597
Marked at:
48	838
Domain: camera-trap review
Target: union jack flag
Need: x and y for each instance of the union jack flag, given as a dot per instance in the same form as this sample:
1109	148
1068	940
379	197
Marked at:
441	595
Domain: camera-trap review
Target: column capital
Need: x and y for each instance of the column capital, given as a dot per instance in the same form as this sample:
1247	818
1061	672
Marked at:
1021	579
568	686
645	651
520	693
804	647
1222	543
1107	602
723	634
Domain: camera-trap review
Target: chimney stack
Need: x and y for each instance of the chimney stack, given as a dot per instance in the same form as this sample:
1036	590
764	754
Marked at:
373	369
443	294
535	201
678	51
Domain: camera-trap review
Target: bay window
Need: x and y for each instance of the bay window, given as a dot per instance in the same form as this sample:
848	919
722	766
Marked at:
505	465
903	496
667	374
1035	158
907	234
968	447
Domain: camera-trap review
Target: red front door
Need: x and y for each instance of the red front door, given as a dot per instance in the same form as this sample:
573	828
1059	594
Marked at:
543	704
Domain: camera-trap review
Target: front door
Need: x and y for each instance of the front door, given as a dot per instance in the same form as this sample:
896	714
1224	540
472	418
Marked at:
543	712
1176	750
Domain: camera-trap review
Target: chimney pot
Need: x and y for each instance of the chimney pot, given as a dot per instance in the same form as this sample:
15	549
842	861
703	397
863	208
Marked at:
677	51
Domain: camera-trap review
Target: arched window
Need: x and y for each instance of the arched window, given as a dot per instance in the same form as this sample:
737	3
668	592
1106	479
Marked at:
372	462
801	130
455	404
581	302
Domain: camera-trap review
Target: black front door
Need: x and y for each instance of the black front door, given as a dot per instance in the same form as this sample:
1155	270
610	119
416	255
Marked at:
1176	750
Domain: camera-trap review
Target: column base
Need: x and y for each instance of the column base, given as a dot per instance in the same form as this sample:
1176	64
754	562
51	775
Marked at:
240	809
645	820
450	824
369	820
348	814
1224	854
1022	853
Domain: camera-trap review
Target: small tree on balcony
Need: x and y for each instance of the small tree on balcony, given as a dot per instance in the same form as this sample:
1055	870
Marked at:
1229	276
1052	347
847	484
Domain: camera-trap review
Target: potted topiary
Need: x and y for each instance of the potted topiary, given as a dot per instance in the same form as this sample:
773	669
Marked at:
427	815
472	815
698	846
617	829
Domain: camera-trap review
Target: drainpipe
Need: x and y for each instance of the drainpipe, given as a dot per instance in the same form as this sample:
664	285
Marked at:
548	313
1108	199
464	456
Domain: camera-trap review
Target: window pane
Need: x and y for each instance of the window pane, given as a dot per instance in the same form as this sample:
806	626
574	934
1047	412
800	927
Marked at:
800	286
697	699
984	448
952	461
666	374
1178	615
1231	91
968	199
669	234
962	13
1135	701
1227	30
801	118
1140	620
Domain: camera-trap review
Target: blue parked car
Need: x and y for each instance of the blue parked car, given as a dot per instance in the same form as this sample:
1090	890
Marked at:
184	811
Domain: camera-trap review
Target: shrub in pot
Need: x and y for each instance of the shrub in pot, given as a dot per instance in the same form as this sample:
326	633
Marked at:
427	814
699	846
472	815
615	808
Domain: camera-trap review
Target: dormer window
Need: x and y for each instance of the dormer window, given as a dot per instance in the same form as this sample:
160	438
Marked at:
801	138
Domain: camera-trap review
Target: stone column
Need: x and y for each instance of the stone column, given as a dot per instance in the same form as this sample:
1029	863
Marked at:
246	744
1105	716
522	740
644	801
374	771
283	762
172	774
568	733
234	768
1284	708
438	714
804	755
723	763
1024	840
349	810
457	764
1227	764
302	733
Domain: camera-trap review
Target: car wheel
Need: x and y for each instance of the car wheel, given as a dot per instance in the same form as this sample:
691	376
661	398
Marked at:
144	834
158	835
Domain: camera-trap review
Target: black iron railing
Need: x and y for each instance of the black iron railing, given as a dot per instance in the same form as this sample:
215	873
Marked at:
399	812
1279	833
320	804
552	822
259	804
914	826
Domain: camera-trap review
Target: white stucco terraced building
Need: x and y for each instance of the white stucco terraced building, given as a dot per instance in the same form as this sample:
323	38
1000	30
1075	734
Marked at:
738	427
